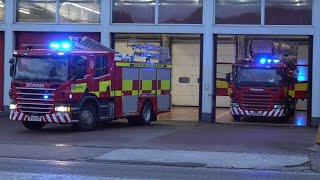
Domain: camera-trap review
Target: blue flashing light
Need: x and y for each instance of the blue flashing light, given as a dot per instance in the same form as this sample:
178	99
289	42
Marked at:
60	53
276	60
45	96
262	60
269	60
66	45
54	45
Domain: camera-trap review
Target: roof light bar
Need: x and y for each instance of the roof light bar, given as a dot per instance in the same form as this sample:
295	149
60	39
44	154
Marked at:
64	46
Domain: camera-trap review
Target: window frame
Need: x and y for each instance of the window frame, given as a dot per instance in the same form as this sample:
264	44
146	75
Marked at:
57	16
104	69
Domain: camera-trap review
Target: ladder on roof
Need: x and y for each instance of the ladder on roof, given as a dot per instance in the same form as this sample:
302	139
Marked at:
150	51
86	43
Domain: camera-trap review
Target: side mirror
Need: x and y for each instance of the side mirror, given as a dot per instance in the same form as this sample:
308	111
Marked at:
11	60
228	77
11	70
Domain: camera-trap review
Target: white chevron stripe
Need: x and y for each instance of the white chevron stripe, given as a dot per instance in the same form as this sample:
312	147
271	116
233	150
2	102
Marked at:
271	112
48	118
231	109
265	113
247	112
241	111
15	115
20	117
281	113
276	113
11	113
236	111
61	118
55	120
68	117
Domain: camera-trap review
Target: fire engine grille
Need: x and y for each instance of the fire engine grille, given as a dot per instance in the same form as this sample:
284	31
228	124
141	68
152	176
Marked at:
35	101
256	101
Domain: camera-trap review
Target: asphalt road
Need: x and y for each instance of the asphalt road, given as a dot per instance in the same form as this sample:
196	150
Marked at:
61	152
36	169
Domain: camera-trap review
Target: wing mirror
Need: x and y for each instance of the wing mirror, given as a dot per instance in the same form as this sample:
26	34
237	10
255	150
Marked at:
12	62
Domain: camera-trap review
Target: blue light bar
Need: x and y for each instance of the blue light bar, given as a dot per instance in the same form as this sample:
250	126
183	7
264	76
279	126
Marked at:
269	60
45	96
276	60
65	45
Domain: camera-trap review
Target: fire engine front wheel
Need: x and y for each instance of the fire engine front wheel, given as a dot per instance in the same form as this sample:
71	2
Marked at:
33	125
88	118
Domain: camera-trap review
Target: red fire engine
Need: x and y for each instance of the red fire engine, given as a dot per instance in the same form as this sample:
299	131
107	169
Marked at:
265	85
82	82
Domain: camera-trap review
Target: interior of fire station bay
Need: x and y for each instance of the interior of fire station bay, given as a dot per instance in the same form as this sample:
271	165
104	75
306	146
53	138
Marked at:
213	45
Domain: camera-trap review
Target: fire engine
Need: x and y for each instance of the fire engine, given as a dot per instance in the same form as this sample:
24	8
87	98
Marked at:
81	82
265	84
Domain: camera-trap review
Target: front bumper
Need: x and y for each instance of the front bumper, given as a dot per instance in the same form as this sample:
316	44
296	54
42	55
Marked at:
59	118
274	113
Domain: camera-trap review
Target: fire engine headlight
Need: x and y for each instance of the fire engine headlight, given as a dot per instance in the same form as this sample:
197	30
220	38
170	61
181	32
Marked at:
13	106
277	106
62	109
235	105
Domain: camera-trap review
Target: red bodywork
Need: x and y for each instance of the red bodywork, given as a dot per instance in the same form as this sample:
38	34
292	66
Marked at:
70	91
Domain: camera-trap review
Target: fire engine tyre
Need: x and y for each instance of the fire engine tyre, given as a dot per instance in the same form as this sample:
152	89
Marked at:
147	114
33	125
88	118
236	117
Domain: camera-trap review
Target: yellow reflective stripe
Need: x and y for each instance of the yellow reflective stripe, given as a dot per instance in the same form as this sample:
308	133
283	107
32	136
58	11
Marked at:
292	93
146	84
165	84
152	65
78	88
221	84
127	85
103	85
301	87
153	92
97	93
135	93
159	92
115	93
229	91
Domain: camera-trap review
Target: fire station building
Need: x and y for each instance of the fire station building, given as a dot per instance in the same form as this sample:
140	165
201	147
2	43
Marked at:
204	37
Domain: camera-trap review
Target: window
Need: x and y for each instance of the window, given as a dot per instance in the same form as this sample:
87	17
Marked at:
71	11
288	12
133	11
238	11
1	10
101	66
180	11
36	11
78	67
83	11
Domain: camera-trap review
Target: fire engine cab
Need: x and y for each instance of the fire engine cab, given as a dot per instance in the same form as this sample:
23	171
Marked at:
82	82
265	84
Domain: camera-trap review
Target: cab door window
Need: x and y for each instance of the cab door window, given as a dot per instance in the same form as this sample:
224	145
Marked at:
78	67
101	66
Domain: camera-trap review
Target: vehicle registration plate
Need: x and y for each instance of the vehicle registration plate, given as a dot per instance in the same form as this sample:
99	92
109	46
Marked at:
34	118
255	114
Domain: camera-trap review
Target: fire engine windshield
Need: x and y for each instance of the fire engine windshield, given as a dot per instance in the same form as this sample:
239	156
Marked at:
41	69
258	77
